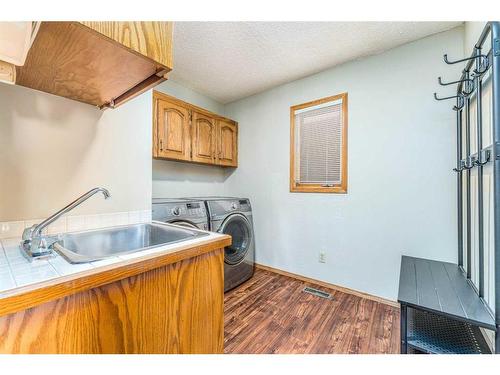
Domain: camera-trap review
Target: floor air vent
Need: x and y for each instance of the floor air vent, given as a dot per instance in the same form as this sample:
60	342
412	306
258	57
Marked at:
317	292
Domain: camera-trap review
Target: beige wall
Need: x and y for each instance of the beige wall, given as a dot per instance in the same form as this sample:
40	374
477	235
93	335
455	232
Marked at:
53	149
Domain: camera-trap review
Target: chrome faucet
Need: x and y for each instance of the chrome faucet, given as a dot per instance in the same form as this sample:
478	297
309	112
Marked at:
34	244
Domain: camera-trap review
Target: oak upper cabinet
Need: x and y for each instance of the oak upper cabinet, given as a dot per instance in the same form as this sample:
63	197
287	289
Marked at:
203	138
227	134
100	63
182	131
172	131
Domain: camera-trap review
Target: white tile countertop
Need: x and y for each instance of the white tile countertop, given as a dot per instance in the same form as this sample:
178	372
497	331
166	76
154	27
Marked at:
16	271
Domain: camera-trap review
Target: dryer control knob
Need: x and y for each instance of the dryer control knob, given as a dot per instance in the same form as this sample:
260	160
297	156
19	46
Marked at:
176	211
234	206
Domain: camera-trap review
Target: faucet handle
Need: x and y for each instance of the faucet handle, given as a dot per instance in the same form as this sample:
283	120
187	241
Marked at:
37	248
28	233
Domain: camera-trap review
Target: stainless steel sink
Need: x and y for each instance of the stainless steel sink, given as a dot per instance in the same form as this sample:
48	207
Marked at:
88	246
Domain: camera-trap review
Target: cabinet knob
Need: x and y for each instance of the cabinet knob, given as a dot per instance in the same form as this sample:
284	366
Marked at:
161	145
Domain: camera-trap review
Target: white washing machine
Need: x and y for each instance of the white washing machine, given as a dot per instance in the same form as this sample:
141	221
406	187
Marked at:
185	212
233	216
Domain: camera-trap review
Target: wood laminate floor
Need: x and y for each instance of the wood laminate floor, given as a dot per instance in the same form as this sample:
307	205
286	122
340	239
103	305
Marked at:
271	314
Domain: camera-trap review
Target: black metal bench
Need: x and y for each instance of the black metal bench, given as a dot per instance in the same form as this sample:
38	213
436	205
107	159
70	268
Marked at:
440	310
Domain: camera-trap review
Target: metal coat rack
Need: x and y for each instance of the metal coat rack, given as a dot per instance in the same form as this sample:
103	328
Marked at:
470	85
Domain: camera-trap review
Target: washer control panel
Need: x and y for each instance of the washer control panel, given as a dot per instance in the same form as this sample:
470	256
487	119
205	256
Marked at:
222	207
188	209
195	207
178	210
241	205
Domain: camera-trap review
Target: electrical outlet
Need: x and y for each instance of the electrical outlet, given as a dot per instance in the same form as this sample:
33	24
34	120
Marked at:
322	257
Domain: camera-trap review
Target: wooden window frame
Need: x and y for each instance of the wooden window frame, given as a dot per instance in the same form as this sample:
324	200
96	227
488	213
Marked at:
318	188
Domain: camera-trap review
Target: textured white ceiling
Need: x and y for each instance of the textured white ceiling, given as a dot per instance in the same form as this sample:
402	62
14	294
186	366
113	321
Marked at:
231	60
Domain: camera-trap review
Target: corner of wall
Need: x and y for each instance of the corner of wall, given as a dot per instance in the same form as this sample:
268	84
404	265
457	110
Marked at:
472	31
176	179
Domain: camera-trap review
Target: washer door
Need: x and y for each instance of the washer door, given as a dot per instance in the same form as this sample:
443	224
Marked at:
184	223
238	227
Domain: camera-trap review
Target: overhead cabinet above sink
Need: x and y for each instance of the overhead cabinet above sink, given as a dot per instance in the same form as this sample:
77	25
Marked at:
99	63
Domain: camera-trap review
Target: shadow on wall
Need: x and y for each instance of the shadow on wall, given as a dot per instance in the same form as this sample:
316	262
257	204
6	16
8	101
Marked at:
41	137
164	170
178	179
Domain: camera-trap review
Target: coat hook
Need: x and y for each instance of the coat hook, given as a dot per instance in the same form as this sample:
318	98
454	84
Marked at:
447	97
484	63
469	84
480	162
483	68
460	101
445	57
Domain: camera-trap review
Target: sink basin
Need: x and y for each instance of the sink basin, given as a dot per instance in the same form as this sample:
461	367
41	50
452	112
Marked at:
88	246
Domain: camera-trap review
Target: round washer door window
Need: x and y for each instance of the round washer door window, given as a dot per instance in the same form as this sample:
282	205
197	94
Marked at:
238	227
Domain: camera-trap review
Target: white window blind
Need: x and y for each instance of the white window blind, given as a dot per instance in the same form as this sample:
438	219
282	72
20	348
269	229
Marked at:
318	147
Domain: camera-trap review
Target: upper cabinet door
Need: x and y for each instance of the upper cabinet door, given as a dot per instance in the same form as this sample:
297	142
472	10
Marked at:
173	138
182	131
203	138
227	153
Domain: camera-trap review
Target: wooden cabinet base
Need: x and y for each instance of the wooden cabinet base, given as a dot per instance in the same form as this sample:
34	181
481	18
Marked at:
101	63
176	308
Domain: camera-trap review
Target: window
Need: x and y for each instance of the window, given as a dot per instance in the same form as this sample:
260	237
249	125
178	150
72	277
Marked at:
318	146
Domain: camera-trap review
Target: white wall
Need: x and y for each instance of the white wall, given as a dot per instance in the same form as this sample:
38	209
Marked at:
401	197
175	179
472	31
183	93
53	149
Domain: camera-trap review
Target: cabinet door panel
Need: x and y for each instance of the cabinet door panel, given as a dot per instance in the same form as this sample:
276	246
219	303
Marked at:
227	154
204	134
173	138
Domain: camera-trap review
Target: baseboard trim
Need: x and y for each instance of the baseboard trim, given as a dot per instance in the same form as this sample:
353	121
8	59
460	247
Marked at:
328	285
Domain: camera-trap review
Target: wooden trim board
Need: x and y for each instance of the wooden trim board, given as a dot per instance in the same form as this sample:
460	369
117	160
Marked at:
328	285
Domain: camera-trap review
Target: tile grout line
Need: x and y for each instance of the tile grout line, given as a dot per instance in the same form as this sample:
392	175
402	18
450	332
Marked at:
52	266
9	265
